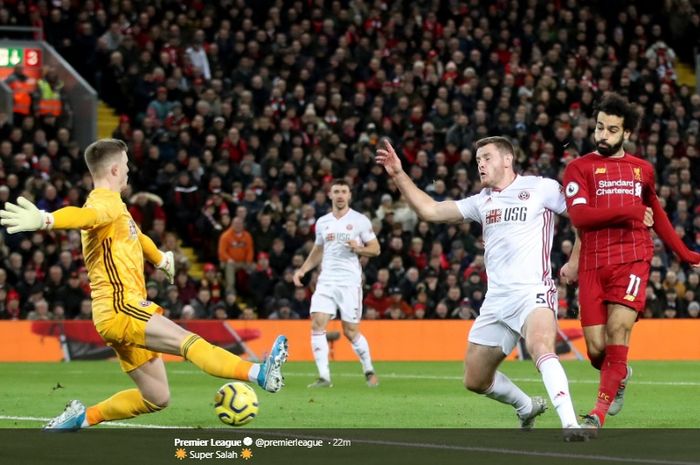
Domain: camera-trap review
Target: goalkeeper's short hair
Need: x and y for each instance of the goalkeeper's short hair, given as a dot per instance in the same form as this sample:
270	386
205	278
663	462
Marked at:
101	152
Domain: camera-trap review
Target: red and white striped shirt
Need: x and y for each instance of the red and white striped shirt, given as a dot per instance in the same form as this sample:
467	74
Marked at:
606	199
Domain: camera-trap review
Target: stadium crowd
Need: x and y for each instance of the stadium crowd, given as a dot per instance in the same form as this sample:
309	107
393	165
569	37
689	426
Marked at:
239	114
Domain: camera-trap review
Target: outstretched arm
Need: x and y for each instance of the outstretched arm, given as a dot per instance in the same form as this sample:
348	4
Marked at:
312	261
664	229
426	207
25	216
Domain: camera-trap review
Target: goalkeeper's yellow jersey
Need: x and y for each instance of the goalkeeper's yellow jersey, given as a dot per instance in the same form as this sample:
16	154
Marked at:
113	252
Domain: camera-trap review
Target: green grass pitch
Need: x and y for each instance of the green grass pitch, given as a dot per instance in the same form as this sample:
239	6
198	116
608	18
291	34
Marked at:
411	395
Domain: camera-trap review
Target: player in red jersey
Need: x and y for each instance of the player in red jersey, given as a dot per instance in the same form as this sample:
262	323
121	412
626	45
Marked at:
611	200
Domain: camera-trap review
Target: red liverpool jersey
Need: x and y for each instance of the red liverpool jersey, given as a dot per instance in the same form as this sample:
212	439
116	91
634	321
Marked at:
606	199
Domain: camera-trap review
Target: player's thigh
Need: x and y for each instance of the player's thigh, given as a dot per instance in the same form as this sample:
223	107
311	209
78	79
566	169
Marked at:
132	357
322	301
540	332
621	319
591	297
518	306
489	331
349	302
319	321
625	284
152	380
164	335
124	321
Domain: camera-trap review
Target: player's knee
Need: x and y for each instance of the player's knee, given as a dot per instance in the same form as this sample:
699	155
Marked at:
160	401
475	384
596	357
317	324
538	348
350	334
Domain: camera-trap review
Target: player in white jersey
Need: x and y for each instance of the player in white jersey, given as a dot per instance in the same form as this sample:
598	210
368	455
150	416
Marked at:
341	236
516	213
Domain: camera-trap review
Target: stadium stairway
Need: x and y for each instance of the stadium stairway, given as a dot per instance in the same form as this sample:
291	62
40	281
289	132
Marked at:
196	269
107	121
686	74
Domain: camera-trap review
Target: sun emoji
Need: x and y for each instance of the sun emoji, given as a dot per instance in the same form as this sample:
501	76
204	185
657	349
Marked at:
181	454
246	454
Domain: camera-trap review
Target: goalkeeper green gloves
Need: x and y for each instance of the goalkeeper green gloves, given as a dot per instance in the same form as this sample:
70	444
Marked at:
24	217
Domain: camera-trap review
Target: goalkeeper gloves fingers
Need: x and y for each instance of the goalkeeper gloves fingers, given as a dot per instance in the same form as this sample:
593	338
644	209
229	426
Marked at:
167	266
24	216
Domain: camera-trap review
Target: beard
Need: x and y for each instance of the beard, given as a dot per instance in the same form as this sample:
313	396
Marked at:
608	150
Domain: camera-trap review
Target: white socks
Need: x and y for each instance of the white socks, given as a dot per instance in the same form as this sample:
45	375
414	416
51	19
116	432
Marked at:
361	348
319	345
557	385
253	373
503	390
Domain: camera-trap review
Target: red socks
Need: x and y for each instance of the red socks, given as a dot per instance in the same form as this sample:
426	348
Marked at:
612	373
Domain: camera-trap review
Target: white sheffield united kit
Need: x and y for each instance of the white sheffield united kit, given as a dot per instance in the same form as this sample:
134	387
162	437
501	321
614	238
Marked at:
340	283
518	228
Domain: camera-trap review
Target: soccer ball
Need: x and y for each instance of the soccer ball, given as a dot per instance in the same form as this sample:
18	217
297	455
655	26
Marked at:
236	404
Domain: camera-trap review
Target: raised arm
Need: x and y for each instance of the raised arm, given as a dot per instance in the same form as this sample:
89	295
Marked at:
25	216
426	207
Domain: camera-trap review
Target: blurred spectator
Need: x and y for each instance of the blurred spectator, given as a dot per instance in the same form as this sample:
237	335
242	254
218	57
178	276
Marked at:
236	253
186	287
202	304
172	303
694	310
283	311
85	310
49	94
145	208
377	299
465	311
397	300
152	291
262	280
223	123
41	311
22	87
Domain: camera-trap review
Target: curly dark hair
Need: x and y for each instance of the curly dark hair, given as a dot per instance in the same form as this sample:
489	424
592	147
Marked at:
617	105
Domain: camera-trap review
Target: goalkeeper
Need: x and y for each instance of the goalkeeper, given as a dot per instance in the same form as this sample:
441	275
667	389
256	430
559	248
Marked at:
114	250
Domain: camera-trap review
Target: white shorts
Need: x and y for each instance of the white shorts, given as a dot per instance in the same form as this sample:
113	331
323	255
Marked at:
331	297
502	316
